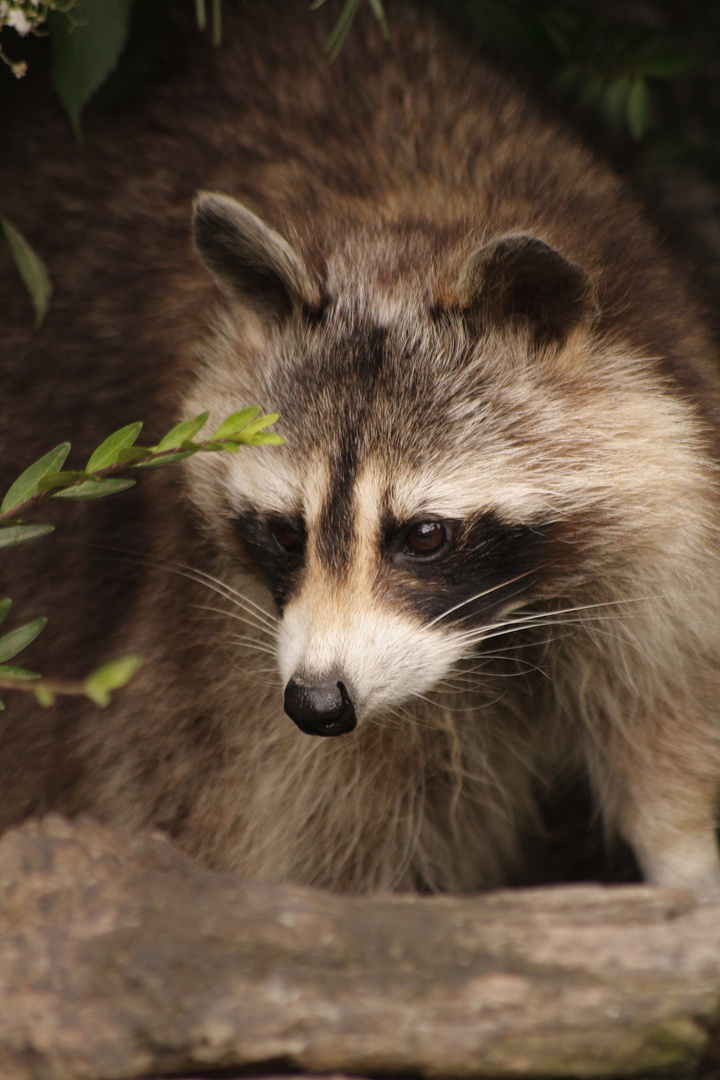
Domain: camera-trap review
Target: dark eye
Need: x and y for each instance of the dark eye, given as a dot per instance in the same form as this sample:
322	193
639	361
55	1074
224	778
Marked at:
427	538
287	537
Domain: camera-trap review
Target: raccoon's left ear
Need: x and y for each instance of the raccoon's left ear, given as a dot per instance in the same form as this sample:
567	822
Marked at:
249	260
517	276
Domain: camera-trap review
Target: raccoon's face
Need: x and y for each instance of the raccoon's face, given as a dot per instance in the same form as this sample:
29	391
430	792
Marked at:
382	579
428	485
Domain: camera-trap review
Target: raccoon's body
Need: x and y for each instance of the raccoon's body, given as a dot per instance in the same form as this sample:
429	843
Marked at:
485	559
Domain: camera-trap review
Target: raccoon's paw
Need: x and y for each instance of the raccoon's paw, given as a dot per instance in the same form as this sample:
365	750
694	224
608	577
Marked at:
687	862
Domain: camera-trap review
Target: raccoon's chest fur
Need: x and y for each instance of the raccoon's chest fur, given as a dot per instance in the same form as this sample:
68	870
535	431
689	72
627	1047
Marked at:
483	566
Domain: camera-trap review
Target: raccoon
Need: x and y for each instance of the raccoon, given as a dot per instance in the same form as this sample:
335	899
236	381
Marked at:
483	564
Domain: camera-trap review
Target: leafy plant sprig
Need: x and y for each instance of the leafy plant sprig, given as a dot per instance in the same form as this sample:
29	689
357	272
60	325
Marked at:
27	17
610	69
46	479
339	32
201	18
97	686
584	58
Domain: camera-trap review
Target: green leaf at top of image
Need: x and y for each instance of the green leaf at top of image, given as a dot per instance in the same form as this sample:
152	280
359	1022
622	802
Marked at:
87	50
31	268
28	483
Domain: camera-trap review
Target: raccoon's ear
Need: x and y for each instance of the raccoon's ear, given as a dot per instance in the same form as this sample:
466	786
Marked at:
520	277
249	260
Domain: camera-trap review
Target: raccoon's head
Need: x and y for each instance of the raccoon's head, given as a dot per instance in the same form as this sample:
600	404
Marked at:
444	462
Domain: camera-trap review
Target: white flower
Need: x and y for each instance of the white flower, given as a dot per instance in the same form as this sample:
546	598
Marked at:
23	15
19	21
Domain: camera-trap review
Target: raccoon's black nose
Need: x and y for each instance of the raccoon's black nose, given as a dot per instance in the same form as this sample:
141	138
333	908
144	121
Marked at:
323	709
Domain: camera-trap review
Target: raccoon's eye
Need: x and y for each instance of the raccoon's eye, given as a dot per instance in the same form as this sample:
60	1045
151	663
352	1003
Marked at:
287	536
425	539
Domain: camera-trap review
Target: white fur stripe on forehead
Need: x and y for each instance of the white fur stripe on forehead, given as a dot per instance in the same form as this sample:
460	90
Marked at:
569	468
452	489
274	483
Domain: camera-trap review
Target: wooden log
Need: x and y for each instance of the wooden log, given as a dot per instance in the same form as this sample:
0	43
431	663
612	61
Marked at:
120	958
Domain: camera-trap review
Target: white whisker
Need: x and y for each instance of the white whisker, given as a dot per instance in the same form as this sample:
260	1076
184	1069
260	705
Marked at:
244	639
472	599
249	618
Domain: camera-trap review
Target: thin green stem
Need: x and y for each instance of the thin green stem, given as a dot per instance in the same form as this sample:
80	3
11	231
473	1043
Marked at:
63	687
217	23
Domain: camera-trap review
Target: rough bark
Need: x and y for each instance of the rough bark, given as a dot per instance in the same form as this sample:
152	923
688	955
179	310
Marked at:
119	957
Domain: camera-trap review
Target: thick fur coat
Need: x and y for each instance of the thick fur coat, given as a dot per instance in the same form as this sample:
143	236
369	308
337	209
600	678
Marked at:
485	559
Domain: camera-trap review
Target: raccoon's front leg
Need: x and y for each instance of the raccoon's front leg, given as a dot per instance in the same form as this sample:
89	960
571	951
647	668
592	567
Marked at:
665	800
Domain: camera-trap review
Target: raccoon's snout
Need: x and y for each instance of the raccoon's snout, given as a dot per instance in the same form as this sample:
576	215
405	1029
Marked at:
323	709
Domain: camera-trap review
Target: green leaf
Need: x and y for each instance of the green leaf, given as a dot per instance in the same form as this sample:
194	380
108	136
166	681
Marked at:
17	640
18	534
615	97
379	14
257	425
339	32
230	445
148	25
95	489
100	683
43	696
236	422
188	429
9	671
108	452
198	423
31	268
60	479
133	455
87	50
5	606
668	63
638	108
265	438
217	23
168	460
27	484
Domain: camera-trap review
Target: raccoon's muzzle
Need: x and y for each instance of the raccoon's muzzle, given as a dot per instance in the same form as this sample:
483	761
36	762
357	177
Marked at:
323	709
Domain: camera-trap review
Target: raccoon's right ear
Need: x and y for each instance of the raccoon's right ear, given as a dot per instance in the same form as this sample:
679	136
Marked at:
249	260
